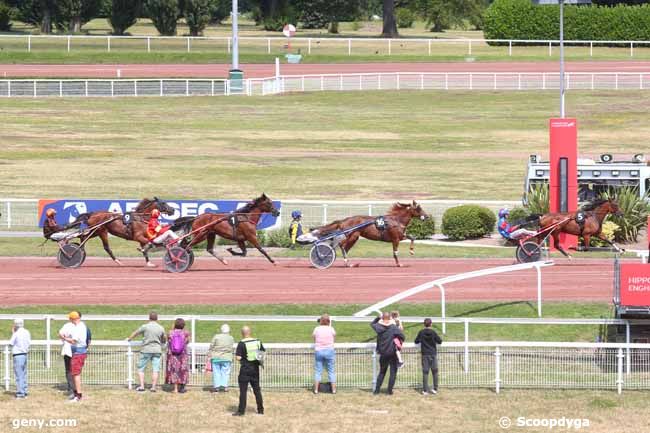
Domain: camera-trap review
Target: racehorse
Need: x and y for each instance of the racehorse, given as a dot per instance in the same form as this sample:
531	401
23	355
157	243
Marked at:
396	220
594	214
131	226
239	226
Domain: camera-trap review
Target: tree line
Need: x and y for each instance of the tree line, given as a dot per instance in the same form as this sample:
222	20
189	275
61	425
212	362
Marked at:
68	16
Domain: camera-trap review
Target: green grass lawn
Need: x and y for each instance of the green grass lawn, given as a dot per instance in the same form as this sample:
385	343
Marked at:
274	332
371	145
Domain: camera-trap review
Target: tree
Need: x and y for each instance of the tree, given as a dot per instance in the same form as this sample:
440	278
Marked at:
390	24
164	15
319	13
123	14
443	14
222	10
198	14
72	14
41	13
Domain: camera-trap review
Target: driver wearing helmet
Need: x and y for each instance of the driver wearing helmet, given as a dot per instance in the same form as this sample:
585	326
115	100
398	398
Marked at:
509	231
157	233
295	228
51	229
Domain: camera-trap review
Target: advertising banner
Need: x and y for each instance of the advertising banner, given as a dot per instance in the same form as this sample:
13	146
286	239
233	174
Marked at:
635	284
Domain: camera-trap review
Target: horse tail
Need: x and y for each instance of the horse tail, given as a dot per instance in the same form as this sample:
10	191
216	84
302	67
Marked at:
183	224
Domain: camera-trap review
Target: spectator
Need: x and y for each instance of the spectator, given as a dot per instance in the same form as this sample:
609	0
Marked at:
386	331
20	342
75	334
398	343
153	339
324	352
427	338
220	354
178	371
249	352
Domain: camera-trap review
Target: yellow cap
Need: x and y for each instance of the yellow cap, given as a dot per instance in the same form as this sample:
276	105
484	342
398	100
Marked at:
73	315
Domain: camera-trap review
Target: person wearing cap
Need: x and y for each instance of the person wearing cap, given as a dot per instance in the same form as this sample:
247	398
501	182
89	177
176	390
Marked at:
220	355
20	342
157	233
52	229
153	339
509	231
295	228
75	334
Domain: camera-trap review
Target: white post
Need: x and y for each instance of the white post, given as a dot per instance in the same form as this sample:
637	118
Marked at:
619	370
592	81
322	83
469	47
446	81
471	82
309	46
466	364
7	376
374	369
112	88
349	47
543	81
29	43
324	213
550	49
631	49
397	80
378	81
628	360
135	87
442	308
616	75
187	87
518	81
68	43
390	47
48	343
429	46
510	48
60	88
212	88
539	291
341	82
369	209
148	44
591	48
188	45
108	44
8	214
161	87
421	81
302	83
268	45
86	87
497	370
235	35
34	88
129	366
193	324
8	88
495	81
228	40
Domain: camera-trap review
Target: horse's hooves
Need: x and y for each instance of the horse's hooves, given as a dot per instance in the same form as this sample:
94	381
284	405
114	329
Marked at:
224	261
355	265
399	265
118	262
151	265
411	252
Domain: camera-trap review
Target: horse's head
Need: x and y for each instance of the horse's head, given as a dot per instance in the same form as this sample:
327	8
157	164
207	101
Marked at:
163	206
612	207
412	210
417	211
147	205
265	204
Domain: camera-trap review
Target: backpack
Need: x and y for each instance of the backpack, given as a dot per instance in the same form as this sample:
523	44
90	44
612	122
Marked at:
177	342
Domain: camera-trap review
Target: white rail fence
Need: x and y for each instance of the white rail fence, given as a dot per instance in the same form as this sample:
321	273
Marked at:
447	81
496	365
311	45
22	214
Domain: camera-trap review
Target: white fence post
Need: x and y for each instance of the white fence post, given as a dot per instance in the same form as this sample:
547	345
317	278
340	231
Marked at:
616	78
8	214
228	45
429	46
324	213
68	43
397	80
370	209
148	44
518	81
86	88
188	45
268	45
619	370
628	360
7	376
48	345
539	291
591	49
374	369
129	366
497	370
308	46
161	87
193	349
29	43
510	48
631	49
60	88
390	47
112	88
349	47
469	47
108	44
187	87
550	49
466	363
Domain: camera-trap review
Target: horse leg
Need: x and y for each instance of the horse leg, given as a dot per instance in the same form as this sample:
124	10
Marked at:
556	242
242	247
586	241
210	248
412	246
347	245
253	240
103	235
395	241
616	247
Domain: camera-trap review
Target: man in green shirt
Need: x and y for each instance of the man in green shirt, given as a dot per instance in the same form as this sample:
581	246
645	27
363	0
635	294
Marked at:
153	339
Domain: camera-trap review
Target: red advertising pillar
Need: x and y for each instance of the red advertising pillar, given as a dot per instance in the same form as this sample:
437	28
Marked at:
563	186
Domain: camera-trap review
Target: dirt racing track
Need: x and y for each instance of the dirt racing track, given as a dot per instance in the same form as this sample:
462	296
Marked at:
30	281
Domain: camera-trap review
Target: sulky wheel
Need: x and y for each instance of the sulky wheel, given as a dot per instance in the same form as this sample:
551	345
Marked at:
528	252
191	253
322	256
71	255
177	260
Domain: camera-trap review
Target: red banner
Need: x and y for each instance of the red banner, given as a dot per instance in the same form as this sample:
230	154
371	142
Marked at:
635	284
564	146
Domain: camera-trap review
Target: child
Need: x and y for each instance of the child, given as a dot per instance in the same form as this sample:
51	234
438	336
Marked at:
398	343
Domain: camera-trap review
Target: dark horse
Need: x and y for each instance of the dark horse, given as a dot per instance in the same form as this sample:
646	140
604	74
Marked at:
115	224
396	220
594	214
239	226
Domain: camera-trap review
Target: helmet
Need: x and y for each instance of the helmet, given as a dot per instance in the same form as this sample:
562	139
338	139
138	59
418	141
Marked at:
503	212
155	213
296	214
50	213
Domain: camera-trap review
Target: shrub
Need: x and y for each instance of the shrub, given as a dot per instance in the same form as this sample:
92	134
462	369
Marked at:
421	229
521	19
5	17
123	14
609	230
164	15
467	222
635	211
537	199
405	18
518	214
277	238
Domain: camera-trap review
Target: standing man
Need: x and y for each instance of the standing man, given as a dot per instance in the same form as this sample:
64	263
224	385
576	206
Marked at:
249	352
76	336
20	342
153	338
387	332
427	338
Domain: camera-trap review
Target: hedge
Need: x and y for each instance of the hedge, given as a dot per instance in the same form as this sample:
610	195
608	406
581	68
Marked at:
467	222
420	229
521	19
5	17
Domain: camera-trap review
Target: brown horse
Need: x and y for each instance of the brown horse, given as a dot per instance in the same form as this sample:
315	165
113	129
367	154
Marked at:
239	226
114	223
593	213
396	220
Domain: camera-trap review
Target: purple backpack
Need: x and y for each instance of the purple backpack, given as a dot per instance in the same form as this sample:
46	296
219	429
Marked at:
177	342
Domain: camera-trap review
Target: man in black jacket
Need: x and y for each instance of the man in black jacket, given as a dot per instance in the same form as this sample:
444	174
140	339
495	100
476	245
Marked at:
427	339
386	331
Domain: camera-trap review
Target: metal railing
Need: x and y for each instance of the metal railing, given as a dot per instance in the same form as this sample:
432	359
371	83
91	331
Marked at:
496	365
22	214
442	81
314	45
